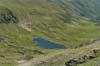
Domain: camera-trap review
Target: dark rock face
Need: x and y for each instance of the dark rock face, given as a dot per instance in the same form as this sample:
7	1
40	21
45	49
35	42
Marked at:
84	58
7	16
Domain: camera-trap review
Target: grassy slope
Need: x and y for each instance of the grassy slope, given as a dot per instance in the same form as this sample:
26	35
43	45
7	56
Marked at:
55	25
87	8
59	58
52	23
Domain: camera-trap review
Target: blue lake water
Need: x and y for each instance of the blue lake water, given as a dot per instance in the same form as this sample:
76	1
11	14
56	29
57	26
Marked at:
47	44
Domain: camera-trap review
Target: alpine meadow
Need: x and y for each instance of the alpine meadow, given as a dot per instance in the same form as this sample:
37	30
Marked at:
49	32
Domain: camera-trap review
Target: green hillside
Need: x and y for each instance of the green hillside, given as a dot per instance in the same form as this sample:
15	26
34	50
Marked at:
66	22
84	8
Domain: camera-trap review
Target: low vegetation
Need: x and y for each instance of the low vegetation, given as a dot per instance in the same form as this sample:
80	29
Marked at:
23	20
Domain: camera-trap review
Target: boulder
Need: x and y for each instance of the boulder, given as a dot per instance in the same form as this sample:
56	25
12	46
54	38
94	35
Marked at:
71	63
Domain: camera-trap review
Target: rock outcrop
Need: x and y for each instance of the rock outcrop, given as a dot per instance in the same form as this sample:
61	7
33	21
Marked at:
79	60
7	16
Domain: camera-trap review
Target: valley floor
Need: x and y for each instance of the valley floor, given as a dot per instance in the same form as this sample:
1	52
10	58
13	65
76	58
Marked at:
59	57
